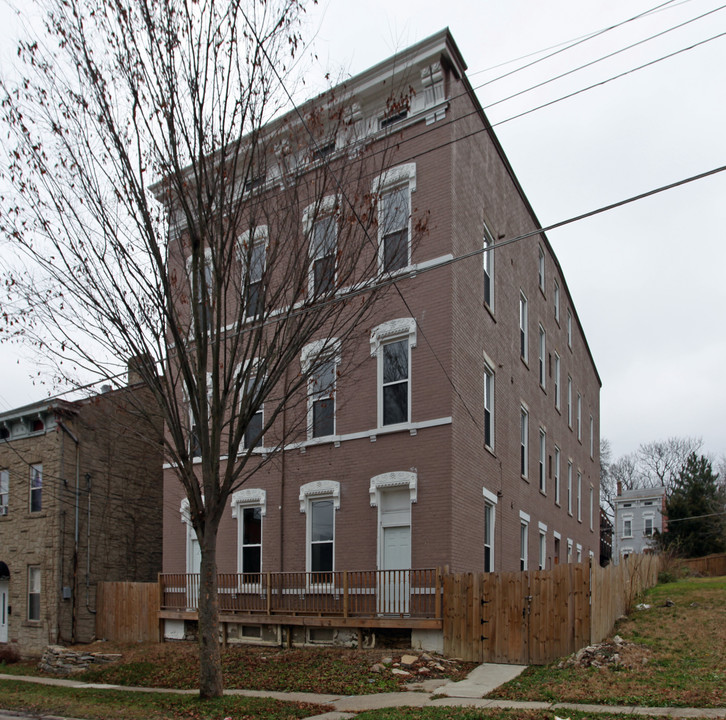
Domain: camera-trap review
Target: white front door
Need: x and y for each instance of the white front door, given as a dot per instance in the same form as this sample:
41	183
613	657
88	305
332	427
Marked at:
4	594
395	551
194	564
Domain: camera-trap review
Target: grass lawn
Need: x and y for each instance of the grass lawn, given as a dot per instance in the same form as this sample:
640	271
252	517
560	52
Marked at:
107	704
337	671
684	648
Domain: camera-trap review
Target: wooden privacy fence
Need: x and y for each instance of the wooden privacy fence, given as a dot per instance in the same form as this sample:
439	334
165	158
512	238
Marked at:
127	611
710	565
535	617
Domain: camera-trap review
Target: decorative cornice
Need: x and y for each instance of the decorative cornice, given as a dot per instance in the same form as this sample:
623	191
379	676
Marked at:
399	478
249	497
330	488
391	329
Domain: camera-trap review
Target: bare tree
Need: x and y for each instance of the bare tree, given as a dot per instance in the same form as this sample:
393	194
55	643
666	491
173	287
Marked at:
662	460
155	214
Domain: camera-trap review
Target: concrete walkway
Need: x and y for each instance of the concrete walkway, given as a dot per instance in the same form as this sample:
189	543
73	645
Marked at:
428	693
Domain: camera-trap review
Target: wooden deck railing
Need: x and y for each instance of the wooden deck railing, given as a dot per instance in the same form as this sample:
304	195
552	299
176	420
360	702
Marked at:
343	593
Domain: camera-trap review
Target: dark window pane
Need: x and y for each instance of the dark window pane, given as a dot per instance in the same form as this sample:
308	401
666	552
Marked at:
34	606
321	559
487	559
253	301
323	417
395	250
324	270
395	361
253	433
487	428
252	521
395	403
322	521
251	561
36	500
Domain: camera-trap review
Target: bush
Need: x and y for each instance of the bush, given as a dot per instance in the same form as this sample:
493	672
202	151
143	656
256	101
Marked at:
9	654
666	576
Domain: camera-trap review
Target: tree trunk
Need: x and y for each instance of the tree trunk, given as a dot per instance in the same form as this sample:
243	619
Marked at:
210	659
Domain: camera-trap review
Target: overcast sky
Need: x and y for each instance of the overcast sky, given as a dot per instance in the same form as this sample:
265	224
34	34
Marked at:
648	279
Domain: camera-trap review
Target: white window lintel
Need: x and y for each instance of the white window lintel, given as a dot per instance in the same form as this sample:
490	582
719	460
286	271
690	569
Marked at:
490	496
328	348
523	516
249	497
385	481
396	176
324	488
400	327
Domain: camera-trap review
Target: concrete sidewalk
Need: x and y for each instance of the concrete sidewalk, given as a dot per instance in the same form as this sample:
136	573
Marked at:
469	692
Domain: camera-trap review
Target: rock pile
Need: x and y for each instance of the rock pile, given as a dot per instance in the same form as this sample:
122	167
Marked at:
62	661
410	667
611	653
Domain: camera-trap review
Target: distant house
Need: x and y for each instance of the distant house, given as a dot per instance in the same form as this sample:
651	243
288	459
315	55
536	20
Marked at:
639	514
467	435
80	503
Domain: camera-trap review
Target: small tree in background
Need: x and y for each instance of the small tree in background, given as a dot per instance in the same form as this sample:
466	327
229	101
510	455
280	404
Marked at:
696	510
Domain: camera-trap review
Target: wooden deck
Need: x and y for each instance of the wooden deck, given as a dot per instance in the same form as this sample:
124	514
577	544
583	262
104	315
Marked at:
345	598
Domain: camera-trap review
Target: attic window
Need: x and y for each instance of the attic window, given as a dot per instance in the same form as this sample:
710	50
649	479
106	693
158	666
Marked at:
4	433
37	426
255	182
393	118
322	151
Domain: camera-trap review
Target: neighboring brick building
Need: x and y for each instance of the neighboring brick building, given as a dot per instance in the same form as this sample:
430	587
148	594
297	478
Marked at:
486	457
80	503
639	514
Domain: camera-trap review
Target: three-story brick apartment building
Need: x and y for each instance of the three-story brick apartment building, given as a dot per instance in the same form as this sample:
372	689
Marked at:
467	433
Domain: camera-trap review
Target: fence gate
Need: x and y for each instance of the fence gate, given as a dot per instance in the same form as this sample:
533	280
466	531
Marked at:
519	618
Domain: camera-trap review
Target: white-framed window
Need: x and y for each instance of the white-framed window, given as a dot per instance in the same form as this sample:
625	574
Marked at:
393	228
628	527
319	501
648	525
569	550
523	441
249	507
579	496
253	432
4	491
557	302
394	188
33	593
542	362
36	487
201	290
592	438
556	551
557	475
523	334
541	268
578	549
592	508
320	223
557	381
252	248
488	267
391	343
542	547
320	359
523	540
488	406
579	417
195	447
490	514
569	401
569	328
569	487
542	461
